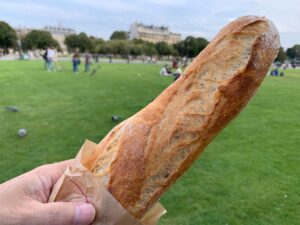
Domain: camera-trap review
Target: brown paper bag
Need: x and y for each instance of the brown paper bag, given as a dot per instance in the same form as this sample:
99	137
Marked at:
79	185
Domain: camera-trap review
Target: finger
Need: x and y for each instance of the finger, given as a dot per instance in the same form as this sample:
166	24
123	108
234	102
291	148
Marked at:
53	171
65	213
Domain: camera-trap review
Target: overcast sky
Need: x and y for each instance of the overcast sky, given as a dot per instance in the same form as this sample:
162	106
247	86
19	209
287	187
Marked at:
197	18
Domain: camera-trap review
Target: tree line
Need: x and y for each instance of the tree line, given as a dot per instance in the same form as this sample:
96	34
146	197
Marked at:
118	44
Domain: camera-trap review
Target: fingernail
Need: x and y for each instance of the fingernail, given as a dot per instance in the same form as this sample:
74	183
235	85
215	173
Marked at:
85	214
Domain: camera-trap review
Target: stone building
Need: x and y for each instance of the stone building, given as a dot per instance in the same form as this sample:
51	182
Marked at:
22	31
153	34
59	33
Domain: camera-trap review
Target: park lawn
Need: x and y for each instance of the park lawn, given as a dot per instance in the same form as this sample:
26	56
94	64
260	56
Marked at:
249	175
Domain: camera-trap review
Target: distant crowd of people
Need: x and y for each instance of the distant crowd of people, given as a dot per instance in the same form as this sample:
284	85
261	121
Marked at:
278	70
52	63
175	70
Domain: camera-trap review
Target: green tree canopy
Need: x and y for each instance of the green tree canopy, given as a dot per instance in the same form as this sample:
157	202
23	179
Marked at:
72	42
39	39
194	45
191	46
85	42
146	48
180	47
126	47
293	52
281	57
135	49
164	48
120	47
138	41
149	49
80	41
8	37
119	35
97	44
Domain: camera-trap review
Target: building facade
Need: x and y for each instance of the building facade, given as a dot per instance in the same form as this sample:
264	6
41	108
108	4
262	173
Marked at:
153	34
21	32
59	33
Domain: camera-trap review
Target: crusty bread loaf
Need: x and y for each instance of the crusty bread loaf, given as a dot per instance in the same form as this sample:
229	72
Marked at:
142	156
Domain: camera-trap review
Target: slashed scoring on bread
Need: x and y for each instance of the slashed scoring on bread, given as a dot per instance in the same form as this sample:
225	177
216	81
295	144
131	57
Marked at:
144	155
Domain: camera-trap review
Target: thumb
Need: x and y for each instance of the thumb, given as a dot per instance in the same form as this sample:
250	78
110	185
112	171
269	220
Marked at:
67	213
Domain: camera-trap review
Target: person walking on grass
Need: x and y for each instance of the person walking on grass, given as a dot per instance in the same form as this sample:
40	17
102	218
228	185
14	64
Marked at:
45	58
88	61
76	62
50	57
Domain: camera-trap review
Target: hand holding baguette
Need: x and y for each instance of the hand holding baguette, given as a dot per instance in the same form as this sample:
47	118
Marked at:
143	156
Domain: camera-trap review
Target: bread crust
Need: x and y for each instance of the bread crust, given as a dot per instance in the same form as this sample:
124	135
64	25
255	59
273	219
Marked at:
144	155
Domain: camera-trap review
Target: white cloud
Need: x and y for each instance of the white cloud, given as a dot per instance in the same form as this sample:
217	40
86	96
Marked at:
40	11
100	17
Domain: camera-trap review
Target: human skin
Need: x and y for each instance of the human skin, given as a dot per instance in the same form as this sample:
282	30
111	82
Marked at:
24	200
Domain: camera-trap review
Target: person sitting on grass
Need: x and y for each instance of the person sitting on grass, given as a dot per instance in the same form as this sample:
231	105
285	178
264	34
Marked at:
165	71
177	73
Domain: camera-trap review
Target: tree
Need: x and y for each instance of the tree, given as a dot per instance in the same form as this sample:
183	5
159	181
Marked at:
138	41
72	42
85	42
39	39
8	37
149	49
201	44
194	45
119	35
135	49
120	47
163	48
97	44
80	41
294	52
180	48
281	57
191	46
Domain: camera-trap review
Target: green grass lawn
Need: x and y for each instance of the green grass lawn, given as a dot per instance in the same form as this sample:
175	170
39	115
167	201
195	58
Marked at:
249	175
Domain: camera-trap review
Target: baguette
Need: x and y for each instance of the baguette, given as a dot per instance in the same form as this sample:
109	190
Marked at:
145	154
